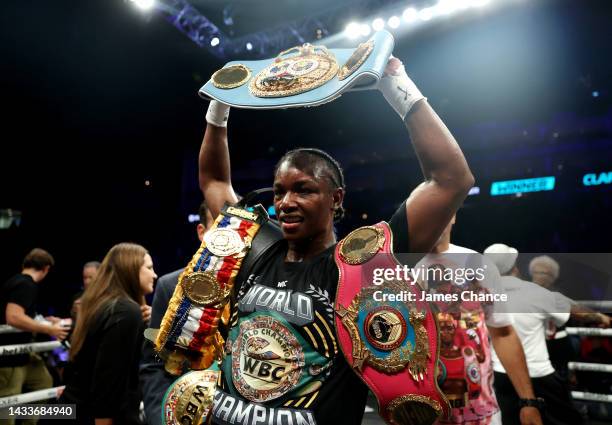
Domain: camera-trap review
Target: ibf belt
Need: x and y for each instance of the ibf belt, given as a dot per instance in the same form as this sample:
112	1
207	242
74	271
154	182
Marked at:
189	329
306	75
386	333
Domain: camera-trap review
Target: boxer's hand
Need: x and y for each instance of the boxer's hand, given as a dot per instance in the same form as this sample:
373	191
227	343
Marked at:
399	90
530	416
394	67
217	114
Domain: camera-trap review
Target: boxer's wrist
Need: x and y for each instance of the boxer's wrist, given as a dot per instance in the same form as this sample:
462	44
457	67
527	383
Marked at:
217	114
399	90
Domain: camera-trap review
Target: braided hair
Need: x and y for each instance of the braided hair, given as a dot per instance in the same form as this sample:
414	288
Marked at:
318	164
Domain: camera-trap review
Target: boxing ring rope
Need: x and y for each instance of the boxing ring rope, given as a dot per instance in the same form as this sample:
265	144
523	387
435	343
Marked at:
602	398
34	347
32	397
589	331
8	329
590	367
601	305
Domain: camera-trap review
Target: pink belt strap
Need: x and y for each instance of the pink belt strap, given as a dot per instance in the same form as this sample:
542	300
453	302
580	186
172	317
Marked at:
387	335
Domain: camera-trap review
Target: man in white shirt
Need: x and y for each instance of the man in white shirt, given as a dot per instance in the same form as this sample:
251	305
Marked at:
531	307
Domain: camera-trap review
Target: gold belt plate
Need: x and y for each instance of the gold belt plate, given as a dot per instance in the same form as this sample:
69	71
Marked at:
190	398
361	244
223	242
402	354
231	77
312	67
203	288
359	56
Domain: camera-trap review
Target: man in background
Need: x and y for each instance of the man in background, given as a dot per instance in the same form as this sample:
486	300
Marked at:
532	307
90	269
26	372
544	270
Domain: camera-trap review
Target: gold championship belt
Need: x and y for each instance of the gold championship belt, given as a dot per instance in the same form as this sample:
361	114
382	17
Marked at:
387	334
188	335
189	399
294	71
306	75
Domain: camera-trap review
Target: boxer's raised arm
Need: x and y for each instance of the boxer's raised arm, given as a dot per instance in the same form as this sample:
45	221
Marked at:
432	204
214	160
448	179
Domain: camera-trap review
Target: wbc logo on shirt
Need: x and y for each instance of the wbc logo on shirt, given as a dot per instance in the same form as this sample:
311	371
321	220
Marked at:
267	359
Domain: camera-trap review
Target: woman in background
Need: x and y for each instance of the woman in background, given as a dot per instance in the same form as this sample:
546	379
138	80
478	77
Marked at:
102	376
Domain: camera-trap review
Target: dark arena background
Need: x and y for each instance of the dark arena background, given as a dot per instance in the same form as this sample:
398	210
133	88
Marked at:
102	124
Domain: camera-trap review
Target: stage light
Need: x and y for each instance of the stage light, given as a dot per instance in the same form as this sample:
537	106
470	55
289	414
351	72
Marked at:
365	30
393	22
445	6
479	3
410	14
249	46
214	41
352	30
474	191
426	14
144	4
595	94
378	24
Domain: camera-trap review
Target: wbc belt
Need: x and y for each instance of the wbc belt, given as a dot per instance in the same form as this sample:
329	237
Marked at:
189	399
387	335
189	329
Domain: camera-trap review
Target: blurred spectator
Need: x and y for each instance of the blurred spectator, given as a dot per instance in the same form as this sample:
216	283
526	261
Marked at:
532	307
155	380
90	269
102	375
544	271
26	372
